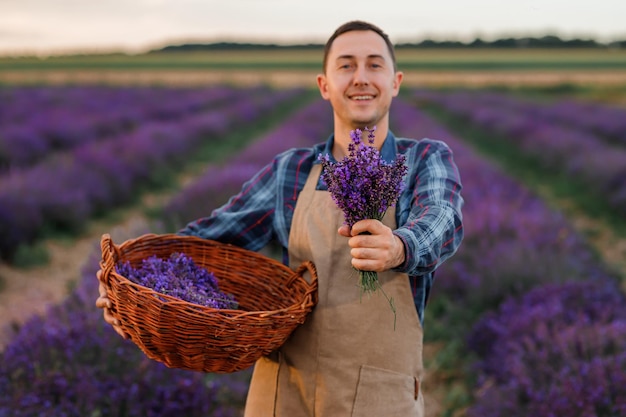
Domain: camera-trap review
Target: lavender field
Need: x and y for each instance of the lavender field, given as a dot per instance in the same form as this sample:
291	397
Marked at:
57	175
534	321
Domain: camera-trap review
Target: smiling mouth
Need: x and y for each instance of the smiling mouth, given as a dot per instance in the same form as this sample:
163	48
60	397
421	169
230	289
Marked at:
362	97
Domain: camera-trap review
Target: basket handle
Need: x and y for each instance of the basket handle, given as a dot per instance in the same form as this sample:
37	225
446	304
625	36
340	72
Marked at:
299	272
110	254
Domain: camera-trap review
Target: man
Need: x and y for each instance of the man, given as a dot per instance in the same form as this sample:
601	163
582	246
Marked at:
348	358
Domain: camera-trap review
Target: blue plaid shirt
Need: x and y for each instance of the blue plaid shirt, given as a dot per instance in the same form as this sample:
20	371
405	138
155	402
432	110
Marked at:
428	212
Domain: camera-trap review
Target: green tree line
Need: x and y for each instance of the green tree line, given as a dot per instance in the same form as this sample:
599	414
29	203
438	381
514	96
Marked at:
548	41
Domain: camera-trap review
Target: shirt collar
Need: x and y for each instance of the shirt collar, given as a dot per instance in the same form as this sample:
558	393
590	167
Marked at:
388	151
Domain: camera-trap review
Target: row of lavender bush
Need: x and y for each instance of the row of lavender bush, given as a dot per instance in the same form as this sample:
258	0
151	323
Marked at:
64	192
606	122
36	121
543	318
560	350
70	363
560	144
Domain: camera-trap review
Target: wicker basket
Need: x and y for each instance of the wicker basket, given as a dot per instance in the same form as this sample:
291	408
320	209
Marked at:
273	301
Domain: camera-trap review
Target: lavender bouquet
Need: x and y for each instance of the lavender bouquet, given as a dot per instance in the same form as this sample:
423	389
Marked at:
180	277
364	186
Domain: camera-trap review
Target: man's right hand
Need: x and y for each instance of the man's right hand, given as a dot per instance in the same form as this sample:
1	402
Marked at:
104	303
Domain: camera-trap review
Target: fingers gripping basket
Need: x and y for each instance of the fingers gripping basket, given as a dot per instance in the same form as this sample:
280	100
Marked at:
273	300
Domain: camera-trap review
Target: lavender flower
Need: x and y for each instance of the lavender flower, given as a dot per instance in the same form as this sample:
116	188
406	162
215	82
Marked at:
179	276
364	186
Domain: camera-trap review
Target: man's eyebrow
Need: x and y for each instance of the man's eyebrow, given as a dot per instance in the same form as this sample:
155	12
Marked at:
347	56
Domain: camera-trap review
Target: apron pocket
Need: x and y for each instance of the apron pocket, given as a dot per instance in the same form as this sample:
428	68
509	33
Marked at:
381	392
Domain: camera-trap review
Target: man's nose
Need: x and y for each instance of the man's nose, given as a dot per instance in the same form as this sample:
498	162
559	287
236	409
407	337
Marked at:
361	76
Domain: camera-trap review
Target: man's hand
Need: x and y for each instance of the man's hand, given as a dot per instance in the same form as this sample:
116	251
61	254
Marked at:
104	303
378	251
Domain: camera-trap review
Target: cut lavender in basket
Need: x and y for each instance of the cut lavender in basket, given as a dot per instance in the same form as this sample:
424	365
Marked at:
364	186
179	276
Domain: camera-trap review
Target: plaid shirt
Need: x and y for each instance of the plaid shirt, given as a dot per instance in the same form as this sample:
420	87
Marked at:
428	212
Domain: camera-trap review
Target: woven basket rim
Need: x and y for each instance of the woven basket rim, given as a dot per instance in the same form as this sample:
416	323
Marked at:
122	280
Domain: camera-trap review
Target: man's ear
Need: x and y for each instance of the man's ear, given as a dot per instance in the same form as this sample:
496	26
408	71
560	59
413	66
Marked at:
322	85
397	80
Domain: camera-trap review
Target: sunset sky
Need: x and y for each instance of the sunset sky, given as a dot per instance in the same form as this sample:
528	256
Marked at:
67	26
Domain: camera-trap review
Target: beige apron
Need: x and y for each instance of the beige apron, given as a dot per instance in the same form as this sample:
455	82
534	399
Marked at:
346	359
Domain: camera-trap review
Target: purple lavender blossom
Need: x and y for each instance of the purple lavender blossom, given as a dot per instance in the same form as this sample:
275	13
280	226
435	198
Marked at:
179	276
362	184
557	351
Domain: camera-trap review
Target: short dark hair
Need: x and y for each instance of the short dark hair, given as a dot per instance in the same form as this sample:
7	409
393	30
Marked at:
358	25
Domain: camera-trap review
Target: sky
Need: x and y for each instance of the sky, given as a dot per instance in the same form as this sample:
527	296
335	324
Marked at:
53	27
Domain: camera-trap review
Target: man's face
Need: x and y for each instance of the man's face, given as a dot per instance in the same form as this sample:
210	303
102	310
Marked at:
360	80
